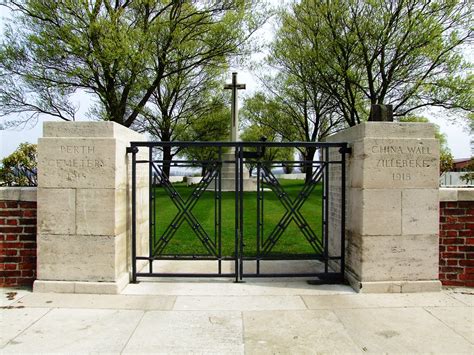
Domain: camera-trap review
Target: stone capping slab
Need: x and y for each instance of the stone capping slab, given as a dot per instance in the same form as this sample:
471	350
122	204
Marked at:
102	129
456	194
18	194
387	130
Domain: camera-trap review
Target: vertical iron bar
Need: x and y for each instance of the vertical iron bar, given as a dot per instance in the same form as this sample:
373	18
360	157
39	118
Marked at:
216	222
151	217
343	208
262	213
219	208
237	224
326	209
215	211
155	222
134	214
241	212
259	181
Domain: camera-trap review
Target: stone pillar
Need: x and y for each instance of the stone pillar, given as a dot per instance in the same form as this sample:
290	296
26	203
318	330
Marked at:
84	194
391	207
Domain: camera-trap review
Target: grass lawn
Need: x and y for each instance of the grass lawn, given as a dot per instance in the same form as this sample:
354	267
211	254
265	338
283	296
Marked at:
291	242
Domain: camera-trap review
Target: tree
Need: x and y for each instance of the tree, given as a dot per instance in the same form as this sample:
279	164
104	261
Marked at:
120	51
179	107
468	177
213	126
262	111
471	130
20	167
298	108
289	114
446	161
404	53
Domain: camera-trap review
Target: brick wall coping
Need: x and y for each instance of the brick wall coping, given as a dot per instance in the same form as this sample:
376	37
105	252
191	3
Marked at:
18	193
29	194
456	194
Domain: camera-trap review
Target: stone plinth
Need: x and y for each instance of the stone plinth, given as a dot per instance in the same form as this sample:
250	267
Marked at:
391	207
84	189
228	175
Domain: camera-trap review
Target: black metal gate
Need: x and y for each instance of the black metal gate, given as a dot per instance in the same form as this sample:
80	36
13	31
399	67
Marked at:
229	223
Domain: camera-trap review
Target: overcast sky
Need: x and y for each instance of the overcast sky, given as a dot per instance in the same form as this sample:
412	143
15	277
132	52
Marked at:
457	133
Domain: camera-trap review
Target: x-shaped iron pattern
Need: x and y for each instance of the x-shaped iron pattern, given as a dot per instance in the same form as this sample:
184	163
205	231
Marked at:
292	210
185	210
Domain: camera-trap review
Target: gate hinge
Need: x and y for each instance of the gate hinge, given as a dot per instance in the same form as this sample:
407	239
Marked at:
345	150
133	149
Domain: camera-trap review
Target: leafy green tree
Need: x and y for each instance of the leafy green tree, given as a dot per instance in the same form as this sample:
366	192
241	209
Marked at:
20	167
262	111
446	161
468	177
288	114
122	52
404	53
471	130
178	109
212	126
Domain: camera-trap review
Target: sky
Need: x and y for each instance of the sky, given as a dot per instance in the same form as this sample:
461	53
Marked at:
457	133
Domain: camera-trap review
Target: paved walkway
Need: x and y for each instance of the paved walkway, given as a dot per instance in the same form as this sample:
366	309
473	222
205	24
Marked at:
252	318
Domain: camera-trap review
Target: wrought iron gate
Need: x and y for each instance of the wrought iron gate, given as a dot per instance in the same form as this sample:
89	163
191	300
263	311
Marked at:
249	228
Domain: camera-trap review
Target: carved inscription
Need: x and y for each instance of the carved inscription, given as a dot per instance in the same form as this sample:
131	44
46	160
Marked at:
78	161
400	157
77	149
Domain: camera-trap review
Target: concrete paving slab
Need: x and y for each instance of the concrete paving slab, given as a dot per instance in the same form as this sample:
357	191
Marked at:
9	295
68	300
15	320
252	287
401	330
238	303
461	320
463	294
387	300
188	332
77	330
183	316
296	332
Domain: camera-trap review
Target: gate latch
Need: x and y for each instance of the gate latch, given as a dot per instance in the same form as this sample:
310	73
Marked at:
259	153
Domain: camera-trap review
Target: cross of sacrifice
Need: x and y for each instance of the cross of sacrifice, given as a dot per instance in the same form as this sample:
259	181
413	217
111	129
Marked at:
234	111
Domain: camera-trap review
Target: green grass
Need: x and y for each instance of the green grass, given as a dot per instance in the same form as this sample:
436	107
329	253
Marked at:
186	242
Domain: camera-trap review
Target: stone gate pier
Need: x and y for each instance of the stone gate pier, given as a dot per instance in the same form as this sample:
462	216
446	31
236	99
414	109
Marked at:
84	194
392	207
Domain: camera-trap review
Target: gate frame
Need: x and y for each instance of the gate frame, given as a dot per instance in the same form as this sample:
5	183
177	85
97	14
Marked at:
240	156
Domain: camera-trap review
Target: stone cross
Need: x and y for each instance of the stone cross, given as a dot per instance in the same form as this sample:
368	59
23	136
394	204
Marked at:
234	111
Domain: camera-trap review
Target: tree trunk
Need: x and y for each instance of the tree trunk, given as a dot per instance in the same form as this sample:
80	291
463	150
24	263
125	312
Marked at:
167	157
307	166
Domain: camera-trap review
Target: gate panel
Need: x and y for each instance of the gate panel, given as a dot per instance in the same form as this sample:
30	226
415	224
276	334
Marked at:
294	240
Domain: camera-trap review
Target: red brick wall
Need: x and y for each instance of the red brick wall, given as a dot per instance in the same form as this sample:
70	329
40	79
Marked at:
456	243
17	243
